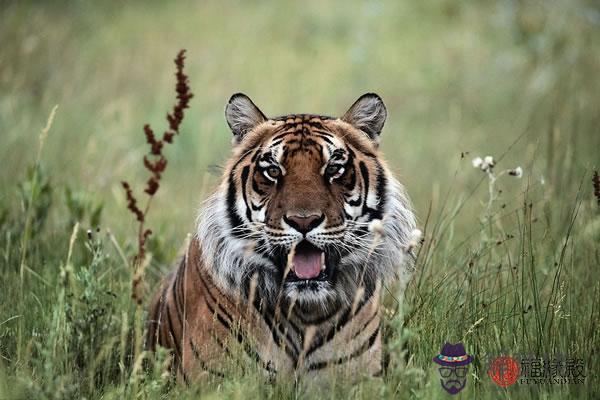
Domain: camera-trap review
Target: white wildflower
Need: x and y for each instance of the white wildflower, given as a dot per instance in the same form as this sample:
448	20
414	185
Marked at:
415	235
517	172
488	162
414	239
485	164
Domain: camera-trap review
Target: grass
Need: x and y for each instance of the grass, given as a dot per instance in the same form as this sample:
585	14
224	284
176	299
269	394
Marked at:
515	275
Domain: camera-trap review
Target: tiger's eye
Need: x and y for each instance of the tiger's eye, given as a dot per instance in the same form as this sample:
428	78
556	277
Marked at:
332	169
273	172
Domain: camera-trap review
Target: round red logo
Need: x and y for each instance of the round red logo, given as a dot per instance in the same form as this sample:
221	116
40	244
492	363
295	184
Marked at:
504	371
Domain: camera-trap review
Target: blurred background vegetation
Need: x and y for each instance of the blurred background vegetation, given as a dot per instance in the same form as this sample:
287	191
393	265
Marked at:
456	76
513	79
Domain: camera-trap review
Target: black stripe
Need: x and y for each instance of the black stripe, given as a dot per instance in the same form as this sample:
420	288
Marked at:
319	319
354	203
177	364
340	323
158	317
365	174
227	324
325	138
362	152
284	134
350	163
288	345
364	347
234	219
178	354
321	132
311	118
381	184
211	296
220	318
253	354
245	172
176	285
172	332
267	314
255	155
256	188
202	363
373	214
215	305
364	326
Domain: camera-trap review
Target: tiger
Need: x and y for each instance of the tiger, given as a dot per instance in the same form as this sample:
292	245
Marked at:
291	251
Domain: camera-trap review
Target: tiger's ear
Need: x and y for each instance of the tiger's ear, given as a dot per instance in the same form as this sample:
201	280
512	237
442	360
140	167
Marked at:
368	114
242	115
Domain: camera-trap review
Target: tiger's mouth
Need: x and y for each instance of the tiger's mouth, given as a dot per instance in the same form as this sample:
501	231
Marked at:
308	263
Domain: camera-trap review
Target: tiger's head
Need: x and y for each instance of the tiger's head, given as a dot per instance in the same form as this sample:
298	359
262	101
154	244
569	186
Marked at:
307	212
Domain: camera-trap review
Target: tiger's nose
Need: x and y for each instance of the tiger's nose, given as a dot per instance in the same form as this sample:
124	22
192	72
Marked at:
304	223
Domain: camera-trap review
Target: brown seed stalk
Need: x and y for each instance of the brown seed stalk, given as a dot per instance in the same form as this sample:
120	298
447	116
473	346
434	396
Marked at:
596	183
156	163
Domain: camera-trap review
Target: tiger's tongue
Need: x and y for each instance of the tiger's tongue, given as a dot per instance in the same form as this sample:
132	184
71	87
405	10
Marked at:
307	263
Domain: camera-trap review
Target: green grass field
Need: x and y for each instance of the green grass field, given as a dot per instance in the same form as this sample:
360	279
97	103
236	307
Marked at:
507	267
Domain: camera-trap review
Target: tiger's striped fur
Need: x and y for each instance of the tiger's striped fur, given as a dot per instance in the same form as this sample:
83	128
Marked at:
300	193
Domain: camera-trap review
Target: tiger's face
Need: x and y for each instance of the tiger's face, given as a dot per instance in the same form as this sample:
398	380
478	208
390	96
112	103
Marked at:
308	212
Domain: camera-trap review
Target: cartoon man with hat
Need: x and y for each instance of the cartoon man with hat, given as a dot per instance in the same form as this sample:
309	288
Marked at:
454	365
